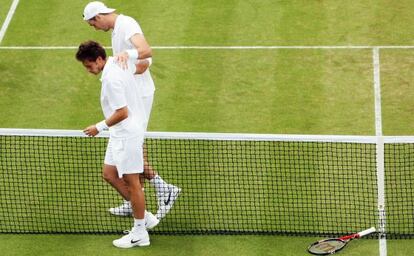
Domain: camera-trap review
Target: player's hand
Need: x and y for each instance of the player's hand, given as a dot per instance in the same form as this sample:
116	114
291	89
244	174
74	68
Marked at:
122	59
91	131
141	66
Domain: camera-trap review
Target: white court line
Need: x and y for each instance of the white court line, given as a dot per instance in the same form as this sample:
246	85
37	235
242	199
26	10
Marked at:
8	19
377	91
222	47
286	47
380	154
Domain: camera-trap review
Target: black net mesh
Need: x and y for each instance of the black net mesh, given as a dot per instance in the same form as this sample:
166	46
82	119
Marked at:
54	185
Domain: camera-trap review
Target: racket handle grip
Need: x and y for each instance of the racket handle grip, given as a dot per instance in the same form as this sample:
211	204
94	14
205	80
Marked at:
366	232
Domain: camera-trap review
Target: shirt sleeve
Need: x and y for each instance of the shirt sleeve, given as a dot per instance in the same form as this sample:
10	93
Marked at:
116	95
131	28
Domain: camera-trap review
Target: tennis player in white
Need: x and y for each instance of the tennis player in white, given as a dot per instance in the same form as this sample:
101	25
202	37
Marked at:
128	43
125	118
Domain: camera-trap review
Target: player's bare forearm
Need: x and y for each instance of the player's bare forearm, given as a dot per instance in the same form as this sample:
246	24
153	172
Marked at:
142	46
142	51
117	116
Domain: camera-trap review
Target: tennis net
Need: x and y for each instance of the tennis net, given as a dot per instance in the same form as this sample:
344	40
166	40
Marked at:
50	182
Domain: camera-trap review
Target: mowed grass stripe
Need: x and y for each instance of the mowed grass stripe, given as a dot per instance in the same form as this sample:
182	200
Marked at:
56	92
397	93
283	91
216	23
5	4
56	23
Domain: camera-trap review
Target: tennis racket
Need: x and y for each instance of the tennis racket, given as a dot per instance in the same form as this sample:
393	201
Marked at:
333	245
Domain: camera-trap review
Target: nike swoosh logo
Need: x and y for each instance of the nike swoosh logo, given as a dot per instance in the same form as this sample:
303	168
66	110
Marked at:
136	241
166	202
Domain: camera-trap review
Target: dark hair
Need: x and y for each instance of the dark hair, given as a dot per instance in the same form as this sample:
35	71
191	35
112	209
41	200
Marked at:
90	51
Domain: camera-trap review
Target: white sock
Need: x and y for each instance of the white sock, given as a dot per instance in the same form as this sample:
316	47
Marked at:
159	184
139	224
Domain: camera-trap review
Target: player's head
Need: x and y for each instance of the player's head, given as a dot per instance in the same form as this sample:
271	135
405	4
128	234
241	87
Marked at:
92	55
96	14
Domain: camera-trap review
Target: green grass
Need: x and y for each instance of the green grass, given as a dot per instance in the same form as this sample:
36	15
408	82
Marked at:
196	22
68	245
397	78
260	91
286	91
43	89
4	11
270	91
177	245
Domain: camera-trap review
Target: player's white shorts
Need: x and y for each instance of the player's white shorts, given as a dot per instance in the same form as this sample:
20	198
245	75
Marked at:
126	154
147	100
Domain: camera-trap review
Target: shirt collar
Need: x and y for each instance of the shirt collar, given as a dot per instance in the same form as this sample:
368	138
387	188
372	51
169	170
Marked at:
116	25
109	62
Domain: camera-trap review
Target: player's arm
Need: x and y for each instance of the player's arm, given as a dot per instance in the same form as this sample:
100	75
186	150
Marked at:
139	67
141	45
142	65
141	50
115	91
116	117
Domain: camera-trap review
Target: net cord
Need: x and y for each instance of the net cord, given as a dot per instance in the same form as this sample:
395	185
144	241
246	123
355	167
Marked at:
216	136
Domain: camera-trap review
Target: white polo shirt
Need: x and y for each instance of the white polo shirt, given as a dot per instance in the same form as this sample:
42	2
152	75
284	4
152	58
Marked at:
125	27
119	90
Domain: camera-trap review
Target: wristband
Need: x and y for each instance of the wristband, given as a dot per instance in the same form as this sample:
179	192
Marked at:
132	54
149	61
101	126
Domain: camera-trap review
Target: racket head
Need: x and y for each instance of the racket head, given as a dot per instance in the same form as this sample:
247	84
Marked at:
327	246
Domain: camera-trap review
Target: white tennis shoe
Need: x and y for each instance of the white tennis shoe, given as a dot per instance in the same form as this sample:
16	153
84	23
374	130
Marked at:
124	209
166	201
133	238
150	220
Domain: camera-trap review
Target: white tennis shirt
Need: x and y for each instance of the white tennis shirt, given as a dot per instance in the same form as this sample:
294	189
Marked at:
119	90
125	27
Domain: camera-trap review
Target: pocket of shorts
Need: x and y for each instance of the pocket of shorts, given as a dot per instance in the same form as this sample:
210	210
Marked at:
118	145
118	151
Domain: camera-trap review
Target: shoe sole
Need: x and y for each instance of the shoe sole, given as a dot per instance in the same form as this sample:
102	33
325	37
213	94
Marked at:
131	246
121	214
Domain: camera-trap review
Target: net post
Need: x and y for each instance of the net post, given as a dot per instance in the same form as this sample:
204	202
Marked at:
381	197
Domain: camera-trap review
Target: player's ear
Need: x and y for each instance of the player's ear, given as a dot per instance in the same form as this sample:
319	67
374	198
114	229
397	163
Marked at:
97	17
99	60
